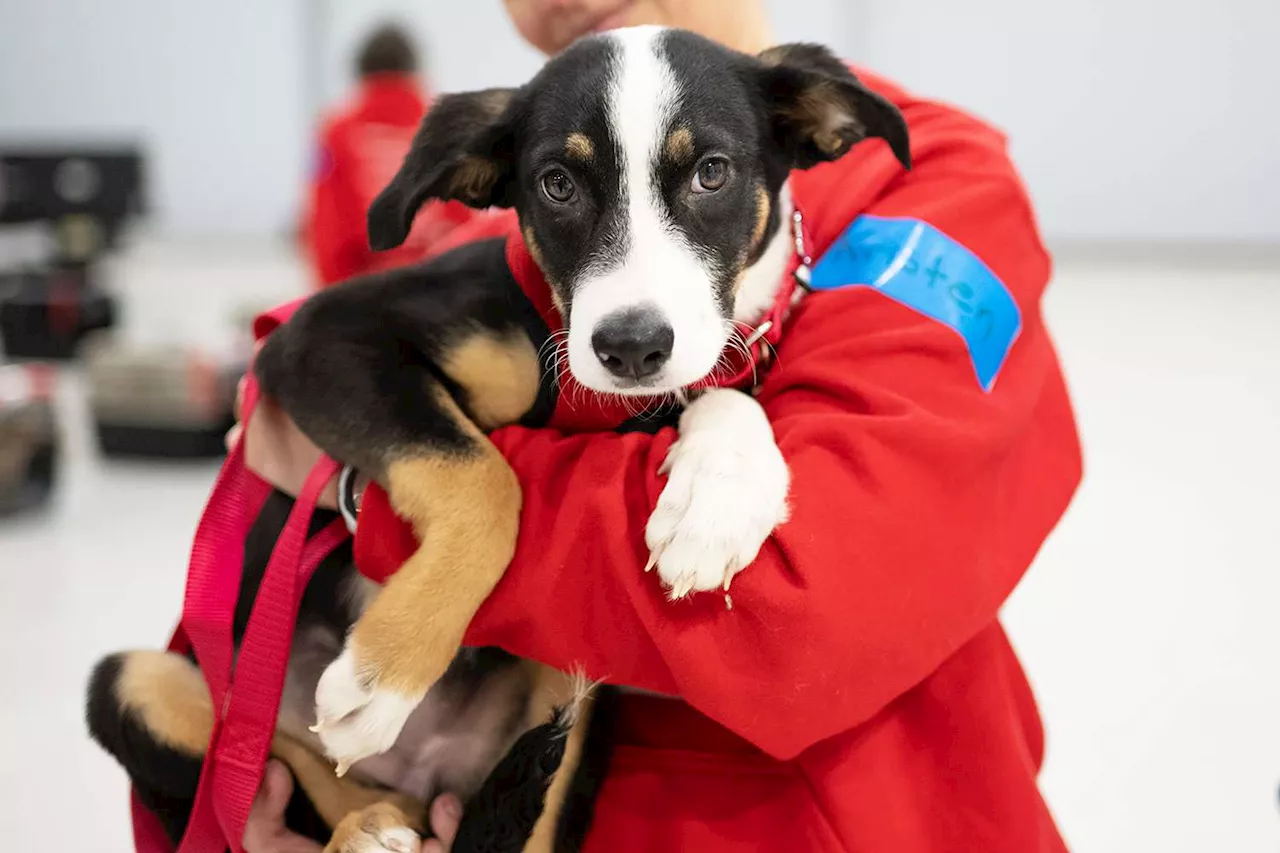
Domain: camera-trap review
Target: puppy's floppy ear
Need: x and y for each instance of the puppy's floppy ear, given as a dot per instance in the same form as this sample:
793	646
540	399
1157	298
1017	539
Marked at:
819	109
463	150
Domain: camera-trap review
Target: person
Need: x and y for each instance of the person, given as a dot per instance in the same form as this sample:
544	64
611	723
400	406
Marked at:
861	694
361	145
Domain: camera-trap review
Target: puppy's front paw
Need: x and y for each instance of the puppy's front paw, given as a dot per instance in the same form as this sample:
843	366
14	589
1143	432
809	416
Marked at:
381	828
355	717
726	493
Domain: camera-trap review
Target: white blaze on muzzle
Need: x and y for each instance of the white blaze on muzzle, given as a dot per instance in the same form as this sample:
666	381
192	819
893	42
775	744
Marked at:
659	287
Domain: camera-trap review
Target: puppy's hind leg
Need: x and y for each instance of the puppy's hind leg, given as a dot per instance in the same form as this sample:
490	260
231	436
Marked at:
150	710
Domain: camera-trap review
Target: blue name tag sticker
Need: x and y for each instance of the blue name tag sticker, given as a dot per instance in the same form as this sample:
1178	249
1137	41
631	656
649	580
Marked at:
917	265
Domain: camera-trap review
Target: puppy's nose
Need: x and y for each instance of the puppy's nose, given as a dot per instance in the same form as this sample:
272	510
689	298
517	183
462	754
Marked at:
633	343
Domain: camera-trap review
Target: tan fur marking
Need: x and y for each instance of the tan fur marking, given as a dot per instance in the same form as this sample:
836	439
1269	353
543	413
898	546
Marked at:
774	56
579	146
495	101
825	116
763	208
499	375
358	830
531	243
680	145
169	695
465	510
535	251
473	179
554	689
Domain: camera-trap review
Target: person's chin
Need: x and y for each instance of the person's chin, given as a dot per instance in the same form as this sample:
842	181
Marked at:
617	19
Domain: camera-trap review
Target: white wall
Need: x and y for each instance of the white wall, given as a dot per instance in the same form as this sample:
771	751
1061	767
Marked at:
215	91
1133	120
471	43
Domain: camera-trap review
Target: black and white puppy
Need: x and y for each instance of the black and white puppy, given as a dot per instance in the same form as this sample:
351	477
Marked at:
648	169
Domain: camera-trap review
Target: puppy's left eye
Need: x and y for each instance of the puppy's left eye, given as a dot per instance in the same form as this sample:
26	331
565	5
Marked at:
558	187
711	175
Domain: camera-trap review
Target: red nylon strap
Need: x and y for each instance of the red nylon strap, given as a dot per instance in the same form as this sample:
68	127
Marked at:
246	703
241	753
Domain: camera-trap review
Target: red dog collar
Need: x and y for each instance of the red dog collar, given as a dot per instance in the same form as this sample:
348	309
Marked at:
760	342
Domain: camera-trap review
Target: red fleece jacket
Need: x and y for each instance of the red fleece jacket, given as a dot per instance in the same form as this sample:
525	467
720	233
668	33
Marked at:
862	662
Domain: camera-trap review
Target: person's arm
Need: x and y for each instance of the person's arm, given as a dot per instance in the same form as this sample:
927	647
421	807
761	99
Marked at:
918	500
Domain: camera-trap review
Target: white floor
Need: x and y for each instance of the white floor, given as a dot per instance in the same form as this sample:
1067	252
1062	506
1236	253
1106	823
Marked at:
1148	625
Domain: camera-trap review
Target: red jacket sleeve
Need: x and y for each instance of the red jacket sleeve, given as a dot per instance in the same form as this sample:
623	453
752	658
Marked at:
335	230
918	499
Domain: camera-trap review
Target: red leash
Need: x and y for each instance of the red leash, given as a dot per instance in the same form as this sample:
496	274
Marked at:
245	691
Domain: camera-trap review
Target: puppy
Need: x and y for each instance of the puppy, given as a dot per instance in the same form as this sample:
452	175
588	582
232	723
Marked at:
648	170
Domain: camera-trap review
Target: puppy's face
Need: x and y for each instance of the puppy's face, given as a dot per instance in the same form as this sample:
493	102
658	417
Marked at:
645	167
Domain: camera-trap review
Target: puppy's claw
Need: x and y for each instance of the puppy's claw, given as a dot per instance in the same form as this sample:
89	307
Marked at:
681	588
654	556
342	768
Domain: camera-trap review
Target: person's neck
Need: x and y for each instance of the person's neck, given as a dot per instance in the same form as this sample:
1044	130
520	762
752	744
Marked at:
749	32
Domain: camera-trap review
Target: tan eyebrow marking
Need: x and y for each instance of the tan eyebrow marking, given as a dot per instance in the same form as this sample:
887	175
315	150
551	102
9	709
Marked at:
579	146
680	145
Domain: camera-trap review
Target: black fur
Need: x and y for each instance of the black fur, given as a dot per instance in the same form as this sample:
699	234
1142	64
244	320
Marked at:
322	604
369	351
597	753
502	814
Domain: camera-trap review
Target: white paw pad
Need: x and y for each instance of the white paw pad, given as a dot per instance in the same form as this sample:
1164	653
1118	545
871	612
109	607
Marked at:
354	717
726	493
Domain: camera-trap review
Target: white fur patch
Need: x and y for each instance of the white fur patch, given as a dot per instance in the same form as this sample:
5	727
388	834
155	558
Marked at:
726	493
659	267
389	839
356	719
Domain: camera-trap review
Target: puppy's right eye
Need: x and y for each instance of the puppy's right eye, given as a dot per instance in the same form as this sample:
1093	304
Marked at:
711	176
558	187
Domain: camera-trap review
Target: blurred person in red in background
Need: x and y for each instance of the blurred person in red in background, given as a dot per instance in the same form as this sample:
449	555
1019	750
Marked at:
361	146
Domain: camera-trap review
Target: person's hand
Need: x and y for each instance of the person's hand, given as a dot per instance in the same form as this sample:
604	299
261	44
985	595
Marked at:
276	450
266	833
446	814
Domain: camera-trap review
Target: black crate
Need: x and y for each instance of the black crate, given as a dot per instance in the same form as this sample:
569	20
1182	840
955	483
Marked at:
144	442
45	314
